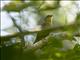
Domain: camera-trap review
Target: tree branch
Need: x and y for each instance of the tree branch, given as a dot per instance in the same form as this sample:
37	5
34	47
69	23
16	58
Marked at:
31	32
44	41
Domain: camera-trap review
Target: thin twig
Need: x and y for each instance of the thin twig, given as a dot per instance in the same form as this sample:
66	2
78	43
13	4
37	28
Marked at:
20	30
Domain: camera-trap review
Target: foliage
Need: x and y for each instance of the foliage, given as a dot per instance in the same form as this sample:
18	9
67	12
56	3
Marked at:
55	42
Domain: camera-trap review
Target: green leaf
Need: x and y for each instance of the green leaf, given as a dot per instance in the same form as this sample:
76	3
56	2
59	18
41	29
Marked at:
55	42
15	6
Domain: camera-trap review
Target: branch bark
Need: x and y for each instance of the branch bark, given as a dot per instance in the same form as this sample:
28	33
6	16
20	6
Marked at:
44	41
31	32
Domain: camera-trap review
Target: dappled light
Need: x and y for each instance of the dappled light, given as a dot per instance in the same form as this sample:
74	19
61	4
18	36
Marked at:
40	30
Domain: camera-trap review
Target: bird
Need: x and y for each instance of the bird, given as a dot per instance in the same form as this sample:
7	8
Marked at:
47	22
45	30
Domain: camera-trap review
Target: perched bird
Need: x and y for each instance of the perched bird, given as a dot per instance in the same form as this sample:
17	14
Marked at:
47	22
45	28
